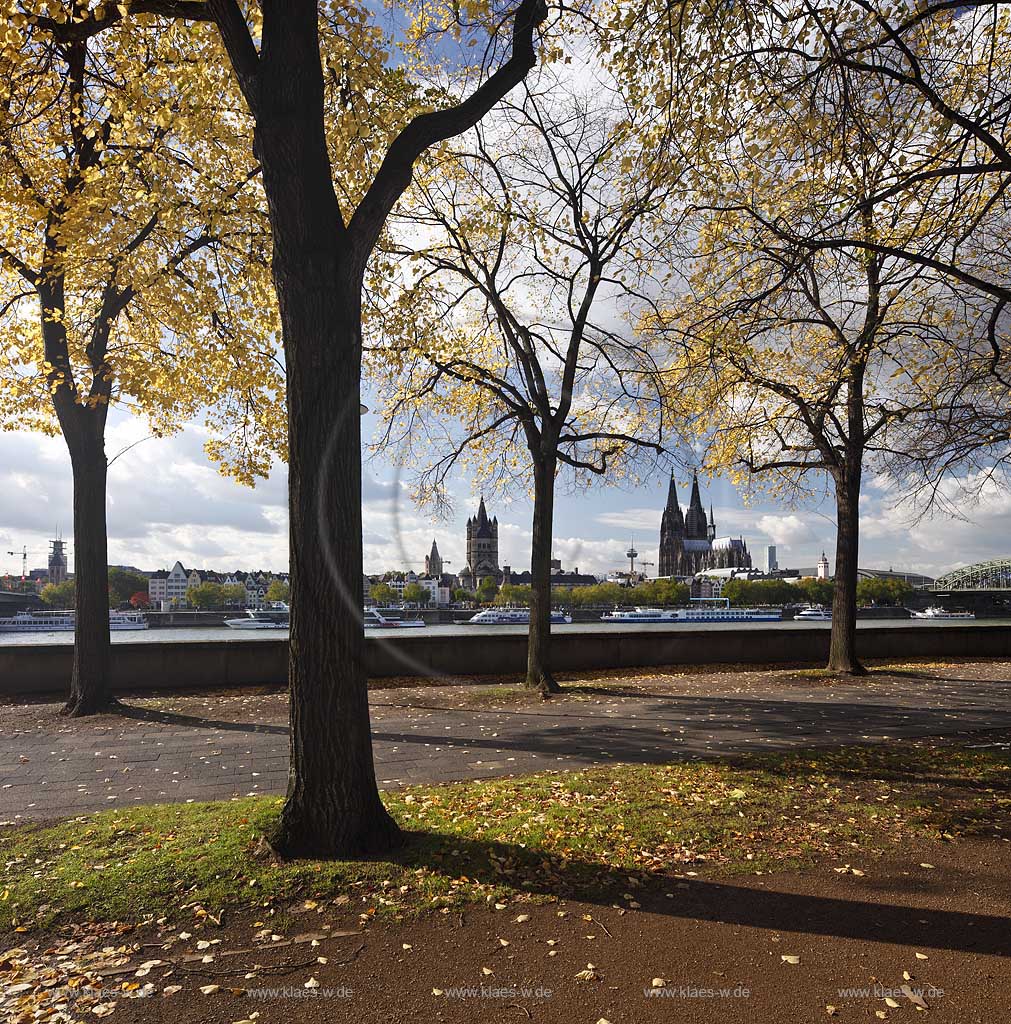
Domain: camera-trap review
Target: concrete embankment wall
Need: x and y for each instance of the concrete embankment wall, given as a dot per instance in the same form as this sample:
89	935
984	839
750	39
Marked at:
28	670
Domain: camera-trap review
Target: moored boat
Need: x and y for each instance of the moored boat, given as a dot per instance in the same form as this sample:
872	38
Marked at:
63	622
512	617
639	615
934	612
259	620
814	615
374	619
703	609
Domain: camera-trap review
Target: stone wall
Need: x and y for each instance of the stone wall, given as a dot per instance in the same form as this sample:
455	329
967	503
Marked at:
45	669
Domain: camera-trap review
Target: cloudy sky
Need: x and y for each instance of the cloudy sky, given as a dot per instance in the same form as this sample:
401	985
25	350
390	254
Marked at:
166	501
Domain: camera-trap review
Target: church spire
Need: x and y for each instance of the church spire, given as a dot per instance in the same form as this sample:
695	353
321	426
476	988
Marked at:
696	525
672	495
433	561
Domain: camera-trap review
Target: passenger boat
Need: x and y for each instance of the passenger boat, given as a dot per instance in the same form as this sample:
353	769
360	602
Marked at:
512	617
639	615
127	620
260	620
38	622
933	612
707	609
374	619
814	615
63	622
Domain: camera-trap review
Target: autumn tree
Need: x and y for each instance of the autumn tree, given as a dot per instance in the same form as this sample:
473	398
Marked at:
131	248
61	595
123	584
954	62
382	594
336	129
206	596
512	595
883	592
951	63
233	595
813	354
510	349
278	592
414	593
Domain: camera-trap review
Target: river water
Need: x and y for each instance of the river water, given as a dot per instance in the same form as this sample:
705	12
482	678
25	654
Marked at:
224	634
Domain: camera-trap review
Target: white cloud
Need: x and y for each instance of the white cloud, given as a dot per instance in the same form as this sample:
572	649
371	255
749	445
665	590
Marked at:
787	531
166	501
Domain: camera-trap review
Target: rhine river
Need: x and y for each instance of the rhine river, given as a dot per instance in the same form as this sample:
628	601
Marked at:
225	635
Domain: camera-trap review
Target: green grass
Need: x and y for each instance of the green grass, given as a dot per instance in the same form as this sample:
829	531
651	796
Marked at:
567	834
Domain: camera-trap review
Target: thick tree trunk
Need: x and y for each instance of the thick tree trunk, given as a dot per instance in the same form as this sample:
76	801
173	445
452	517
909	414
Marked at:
843	643
332	806
89	681
539	643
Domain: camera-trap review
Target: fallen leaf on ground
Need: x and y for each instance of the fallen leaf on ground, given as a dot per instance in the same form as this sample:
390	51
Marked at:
914	997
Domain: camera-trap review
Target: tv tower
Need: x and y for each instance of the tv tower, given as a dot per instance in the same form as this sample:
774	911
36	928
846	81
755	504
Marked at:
632	555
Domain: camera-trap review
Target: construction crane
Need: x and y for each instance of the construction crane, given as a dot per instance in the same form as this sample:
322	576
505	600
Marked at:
24	561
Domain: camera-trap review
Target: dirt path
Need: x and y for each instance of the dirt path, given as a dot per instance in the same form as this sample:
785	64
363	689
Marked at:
694	949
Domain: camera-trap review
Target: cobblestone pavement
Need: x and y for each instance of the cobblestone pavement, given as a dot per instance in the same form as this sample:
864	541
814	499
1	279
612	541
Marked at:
216	747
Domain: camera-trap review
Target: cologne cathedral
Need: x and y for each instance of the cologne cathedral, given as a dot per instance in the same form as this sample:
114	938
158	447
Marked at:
688	541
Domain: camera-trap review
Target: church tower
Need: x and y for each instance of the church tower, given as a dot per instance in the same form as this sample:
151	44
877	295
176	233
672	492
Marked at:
433	561
672	534
696	524
482	545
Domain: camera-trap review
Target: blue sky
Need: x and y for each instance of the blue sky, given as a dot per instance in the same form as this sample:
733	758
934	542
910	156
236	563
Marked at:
166	502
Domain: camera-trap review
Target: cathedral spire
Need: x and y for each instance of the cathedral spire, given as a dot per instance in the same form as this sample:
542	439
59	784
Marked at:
696	498
696	525
672	495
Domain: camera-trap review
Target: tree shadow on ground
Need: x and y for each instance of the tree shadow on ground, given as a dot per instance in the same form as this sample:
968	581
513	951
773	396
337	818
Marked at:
722	902
142	714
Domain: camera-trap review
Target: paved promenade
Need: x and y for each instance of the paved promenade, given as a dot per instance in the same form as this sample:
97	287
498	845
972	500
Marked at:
217	747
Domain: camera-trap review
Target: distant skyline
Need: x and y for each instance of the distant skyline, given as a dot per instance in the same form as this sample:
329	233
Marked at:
166	501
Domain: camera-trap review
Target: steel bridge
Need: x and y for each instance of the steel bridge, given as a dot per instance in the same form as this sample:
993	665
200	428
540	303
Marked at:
993	575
